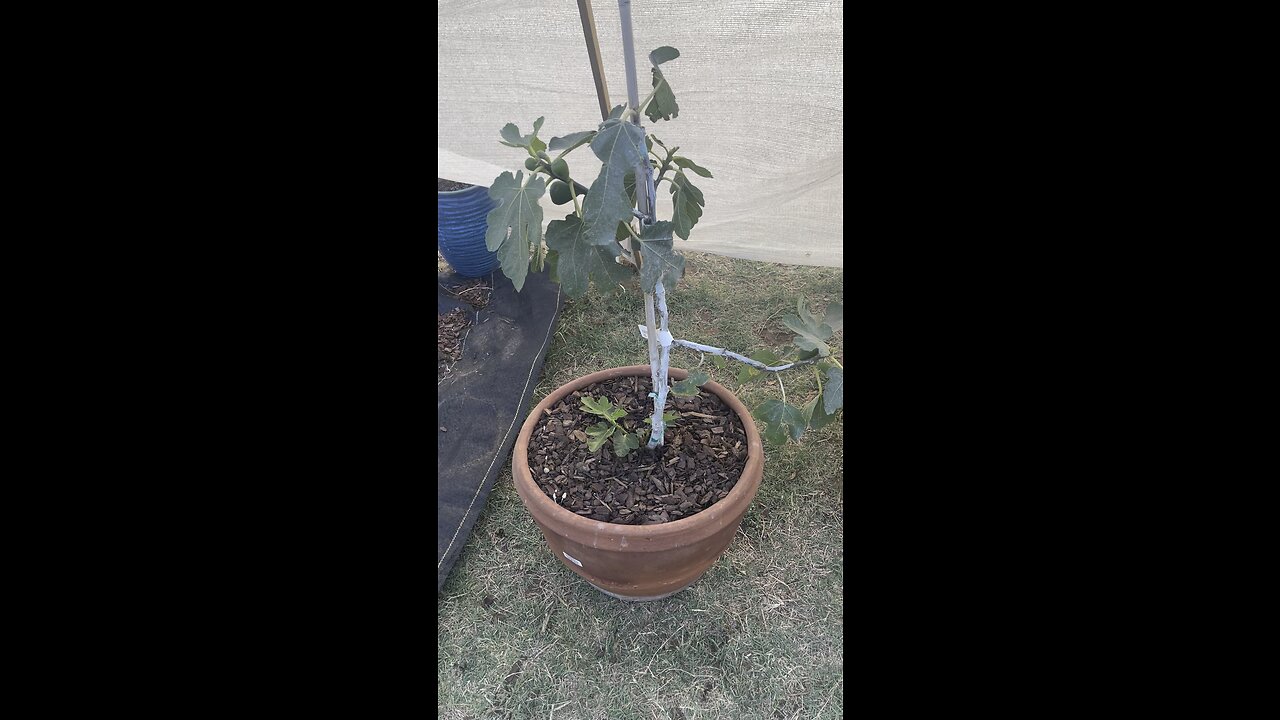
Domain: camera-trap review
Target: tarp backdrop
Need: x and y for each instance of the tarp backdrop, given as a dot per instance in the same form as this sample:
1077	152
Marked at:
759	84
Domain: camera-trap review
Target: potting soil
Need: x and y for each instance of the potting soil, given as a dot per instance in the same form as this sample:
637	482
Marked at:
701	461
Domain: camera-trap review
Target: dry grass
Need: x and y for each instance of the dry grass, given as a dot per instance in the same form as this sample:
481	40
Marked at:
759	637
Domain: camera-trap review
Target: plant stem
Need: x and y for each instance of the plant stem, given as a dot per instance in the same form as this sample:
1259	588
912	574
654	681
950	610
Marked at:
783	389
644	173
735	356
545	166
666	165
644	103
654	365
664	363
567	150
644	194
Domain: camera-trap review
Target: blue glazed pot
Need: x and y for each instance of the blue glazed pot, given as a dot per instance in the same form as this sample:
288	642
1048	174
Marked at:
460	230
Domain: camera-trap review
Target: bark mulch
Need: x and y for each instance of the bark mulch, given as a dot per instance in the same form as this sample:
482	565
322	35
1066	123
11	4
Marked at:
450	328
700	462
443	185
473	291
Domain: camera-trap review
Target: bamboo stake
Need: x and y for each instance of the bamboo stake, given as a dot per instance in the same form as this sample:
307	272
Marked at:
593	55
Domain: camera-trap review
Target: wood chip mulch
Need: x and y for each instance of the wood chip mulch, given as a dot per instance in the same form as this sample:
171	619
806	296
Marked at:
450	328
475	291
700	462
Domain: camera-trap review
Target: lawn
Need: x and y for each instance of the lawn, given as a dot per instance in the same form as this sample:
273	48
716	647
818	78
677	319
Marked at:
758	637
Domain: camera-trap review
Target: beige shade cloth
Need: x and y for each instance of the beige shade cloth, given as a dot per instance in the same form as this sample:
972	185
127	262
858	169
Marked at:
759	85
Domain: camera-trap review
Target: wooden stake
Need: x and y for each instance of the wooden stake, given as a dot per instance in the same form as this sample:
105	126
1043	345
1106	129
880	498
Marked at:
593	54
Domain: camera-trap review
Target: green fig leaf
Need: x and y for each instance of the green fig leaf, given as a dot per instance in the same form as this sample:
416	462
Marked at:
834	318
579	261
688	164
596	406
663	105
815	416
783	421
511	137
689	386
810	332
624	443
659	259
570	141
596	438
806	355
535	143
833	390
687	203
603	408
666	53
620	146
808	318
519	216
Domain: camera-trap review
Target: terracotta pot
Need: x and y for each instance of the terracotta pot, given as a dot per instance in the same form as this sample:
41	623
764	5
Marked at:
639	562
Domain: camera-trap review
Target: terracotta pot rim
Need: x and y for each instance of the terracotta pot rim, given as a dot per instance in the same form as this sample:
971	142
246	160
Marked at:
714	514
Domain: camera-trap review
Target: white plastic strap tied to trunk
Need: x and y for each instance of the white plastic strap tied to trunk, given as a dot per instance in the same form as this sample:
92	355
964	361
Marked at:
664	336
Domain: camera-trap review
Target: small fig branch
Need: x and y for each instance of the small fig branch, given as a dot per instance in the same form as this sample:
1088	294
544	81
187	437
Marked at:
732	355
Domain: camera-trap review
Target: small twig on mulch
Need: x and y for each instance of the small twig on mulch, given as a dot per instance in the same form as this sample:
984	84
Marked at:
473	292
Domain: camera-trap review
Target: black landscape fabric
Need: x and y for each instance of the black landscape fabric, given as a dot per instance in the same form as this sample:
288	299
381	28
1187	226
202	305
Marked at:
484	398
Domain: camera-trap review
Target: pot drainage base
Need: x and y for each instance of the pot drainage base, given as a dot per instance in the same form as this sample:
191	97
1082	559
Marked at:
634	599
